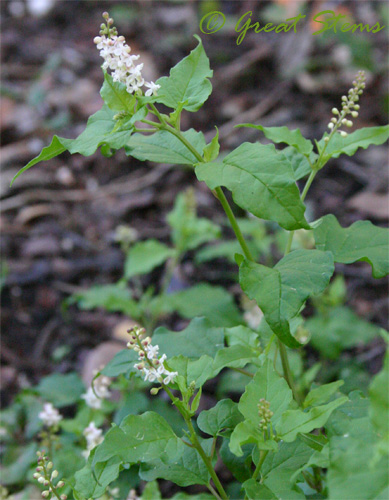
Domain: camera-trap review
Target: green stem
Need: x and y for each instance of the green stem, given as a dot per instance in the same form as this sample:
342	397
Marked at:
287	371
213	491
242	371
206	460
196	444
234	224
303	195
145	130
218	191
262	456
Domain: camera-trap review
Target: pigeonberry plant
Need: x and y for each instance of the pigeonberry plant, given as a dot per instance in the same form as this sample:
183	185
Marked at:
283	437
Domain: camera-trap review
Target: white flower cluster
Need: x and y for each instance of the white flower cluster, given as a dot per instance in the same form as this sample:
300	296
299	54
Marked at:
151	367
94	436
117	57
349	107
50	415
93	398
45	476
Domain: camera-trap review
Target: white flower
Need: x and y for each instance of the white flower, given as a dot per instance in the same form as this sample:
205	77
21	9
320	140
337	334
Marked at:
93	437
91	399
152	351
170	377
50	415
117	58
153	88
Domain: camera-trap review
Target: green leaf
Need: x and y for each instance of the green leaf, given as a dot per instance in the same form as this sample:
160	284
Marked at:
362	241
258	491
299	162
112	298
354	472
361	138
122	362
163	147
211	150
188	81
139	438
242	335
224	416
379	397
54	149
144	256
188	230
284	135
235	356
341	420
61	390
317	459
151	492
321	394
279	469
293	422
247	432
185	496
101	129
340	328
281	291
198	338
115	95
240	467
261	181
197	371
23	458
213	302
105	473
267	384
185	470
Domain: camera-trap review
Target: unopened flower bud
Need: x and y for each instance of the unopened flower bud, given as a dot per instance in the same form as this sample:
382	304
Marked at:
54	474
50	465
41	479
335	111
45	493
97	39
349	123
36	475
354	114
154	391
356	106
63	497
326	139
333	120
331	125
344	121
105	15
343	133
60	484
344	98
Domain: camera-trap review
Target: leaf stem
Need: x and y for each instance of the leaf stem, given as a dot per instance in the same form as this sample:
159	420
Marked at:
262	456
287	371
196	444
303	195
218	191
